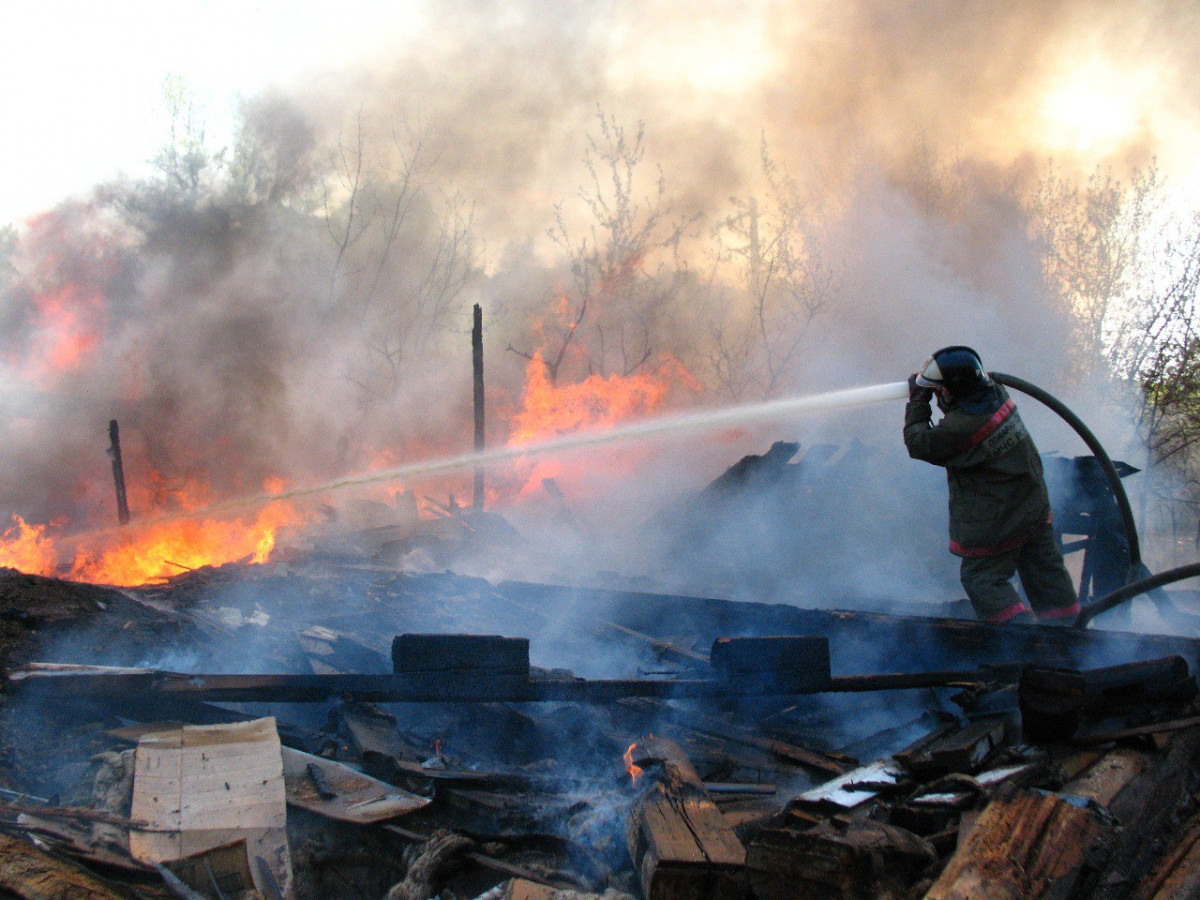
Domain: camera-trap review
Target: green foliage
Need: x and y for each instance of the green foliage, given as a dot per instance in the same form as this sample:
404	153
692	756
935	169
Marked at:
185	161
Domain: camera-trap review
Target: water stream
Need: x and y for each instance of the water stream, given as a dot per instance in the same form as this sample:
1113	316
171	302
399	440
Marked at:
702	420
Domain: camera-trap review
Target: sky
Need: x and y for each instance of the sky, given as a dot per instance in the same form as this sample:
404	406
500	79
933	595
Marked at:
84	95
84	100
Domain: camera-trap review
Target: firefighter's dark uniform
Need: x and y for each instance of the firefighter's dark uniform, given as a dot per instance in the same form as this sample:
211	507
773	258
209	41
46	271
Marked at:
1000	518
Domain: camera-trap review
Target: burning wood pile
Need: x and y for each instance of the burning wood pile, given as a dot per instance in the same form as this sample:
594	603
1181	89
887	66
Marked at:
367	733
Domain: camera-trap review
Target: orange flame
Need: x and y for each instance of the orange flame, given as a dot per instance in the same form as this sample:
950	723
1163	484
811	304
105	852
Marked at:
69	326
163	549
143	552
631	767
26	548
549	410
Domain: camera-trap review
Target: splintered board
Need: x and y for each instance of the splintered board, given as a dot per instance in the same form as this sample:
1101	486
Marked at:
331	789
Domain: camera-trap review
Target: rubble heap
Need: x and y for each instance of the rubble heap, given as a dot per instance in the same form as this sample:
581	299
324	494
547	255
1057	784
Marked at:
707	749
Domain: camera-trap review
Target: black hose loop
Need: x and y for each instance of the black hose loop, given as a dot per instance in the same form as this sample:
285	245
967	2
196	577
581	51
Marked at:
1129	591
1136	568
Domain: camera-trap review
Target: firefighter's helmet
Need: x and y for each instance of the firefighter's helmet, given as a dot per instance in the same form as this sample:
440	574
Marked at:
958	369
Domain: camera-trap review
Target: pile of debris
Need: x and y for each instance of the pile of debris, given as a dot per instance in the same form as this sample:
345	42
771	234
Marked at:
304	729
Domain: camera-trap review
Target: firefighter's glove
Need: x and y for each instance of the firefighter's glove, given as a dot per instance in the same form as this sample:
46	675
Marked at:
916	393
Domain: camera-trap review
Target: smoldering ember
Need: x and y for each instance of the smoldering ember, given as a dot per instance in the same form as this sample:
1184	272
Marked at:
336	720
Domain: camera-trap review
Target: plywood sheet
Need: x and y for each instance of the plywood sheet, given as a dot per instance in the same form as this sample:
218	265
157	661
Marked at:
203	786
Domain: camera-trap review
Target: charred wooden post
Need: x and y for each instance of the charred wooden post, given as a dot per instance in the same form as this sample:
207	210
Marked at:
477	359
118	468
1057	704
682	847
1031	846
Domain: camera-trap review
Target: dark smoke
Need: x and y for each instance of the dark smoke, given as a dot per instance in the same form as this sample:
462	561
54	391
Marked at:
250	329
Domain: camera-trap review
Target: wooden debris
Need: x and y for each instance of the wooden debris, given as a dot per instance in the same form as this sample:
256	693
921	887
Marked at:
332	651
220	871
1057	704
331	789
966	749
476	653
524	889
681	846
428	864
853	788
782	663
831	764
1143	790
1176	875
557	880
1032	846
201	787
26	873
868	859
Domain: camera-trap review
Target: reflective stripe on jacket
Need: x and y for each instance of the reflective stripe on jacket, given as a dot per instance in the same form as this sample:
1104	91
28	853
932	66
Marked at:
997	491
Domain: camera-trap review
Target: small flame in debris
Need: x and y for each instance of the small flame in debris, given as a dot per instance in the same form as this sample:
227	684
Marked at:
631	767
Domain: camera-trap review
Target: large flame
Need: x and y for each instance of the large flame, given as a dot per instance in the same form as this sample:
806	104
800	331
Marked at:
164	549
549	410
144	552
25	547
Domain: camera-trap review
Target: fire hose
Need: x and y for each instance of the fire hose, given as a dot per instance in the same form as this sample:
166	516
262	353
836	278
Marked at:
1139	579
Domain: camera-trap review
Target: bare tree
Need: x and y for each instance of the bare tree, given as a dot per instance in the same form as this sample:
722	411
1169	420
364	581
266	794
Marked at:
1159	350
1129	273
625	272
402	257
1095	251
787	283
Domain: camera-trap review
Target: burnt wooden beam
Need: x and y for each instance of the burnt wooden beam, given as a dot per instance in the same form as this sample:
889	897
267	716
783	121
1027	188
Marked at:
480	654
681	846
468	685
450	687
1057	704
782	662
866	859
915	643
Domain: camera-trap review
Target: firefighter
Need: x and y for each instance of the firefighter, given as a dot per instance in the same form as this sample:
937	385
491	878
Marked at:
1000	517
